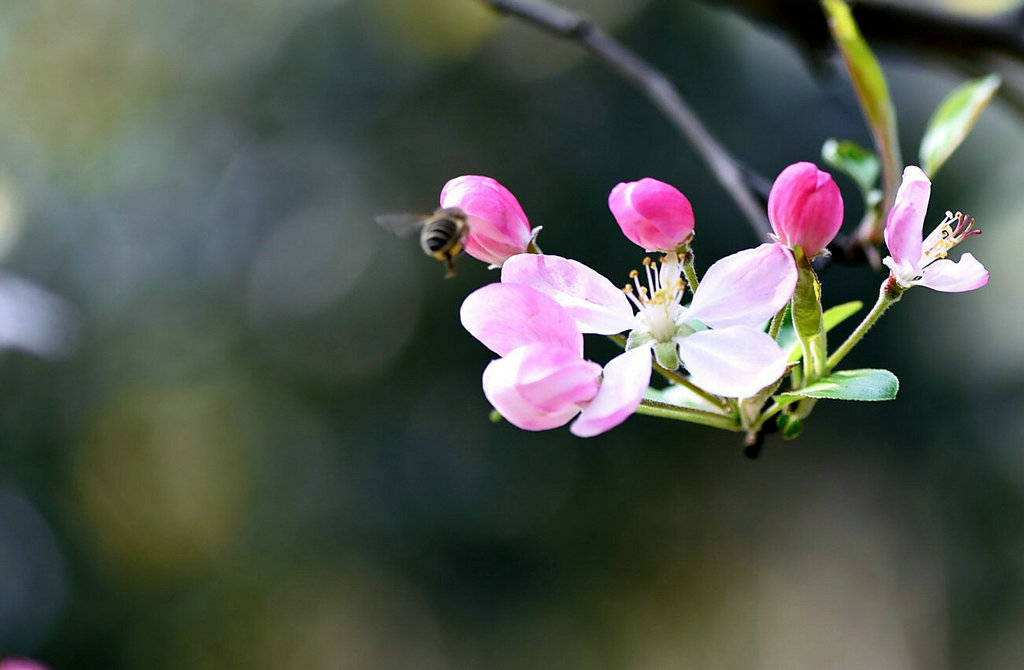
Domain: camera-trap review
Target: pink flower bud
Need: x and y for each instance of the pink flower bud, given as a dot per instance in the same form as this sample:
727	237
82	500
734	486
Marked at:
498	228
652	214
805	208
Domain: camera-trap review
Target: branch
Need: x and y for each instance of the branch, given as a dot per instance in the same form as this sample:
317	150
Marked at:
742	184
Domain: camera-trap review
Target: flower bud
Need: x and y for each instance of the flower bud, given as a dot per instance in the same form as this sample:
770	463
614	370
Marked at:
652	214
498	228
805	208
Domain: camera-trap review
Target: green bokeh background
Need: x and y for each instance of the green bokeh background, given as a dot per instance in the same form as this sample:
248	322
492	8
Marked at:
270	448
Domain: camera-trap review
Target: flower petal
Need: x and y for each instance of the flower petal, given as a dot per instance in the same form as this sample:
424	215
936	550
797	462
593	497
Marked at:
540	386
498	228
805	207
626	377
734	362
746	288
593	301
949	277
652	214
904	230
507	316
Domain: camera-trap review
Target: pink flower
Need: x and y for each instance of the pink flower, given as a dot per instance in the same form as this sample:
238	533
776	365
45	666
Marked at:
498	227
20	664
542	380
718	338
922	262
652	214
805	208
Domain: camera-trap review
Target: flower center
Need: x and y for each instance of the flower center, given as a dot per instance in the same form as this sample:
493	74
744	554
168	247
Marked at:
953	230
658	304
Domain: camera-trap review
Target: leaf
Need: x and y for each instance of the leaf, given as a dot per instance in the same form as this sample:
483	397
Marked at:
865	385
856	161
872	91
953	119
831	318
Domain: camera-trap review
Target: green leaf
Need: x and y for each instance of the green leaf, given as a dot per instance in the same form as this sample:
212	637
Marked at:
865	385
953	119
831	318
872	92
856	161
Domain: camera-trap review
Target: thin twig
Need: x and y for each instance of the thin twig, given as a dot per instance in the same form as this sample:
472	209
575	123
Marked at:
739	182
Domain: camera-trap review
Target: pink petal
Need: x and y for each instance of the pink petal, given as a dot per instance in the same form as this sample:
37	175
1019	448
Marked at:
498	227
652	214
904	230
734	362
626	377
593	301
805	207
540	386
949	277
746	288
507	316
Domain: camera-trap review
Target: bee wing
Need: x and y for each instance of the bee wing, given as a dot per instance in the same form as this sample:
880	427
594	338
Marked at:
401	224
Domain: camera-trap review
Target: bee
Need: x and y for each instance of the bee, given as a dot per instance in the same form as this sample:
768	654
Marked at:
441	234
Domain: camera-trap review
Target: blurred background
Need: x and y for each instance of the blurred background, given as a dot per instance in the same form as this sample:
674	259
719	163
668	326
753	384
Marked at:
260	442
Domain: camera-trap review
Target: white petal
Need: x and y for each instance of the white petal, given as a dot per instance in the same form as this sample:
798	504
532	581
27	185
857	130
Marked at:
626	377
734	362
746	288
596	304
949	277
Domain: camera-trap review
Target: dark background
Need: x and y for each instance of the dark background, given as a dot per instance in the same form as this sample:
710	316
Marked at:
270	448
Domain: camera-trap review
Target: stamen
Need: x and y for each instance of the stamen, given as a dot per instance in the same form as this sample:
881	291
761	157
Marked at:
946	236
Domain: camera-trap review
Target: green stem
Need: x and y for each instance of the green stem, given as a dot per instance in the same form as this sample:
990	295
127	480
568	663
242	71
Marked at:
666	411
677	378
889	294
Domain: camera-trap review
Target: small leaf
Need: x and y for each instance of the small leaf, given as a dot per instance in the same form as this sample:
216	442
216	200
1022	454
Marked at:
856	161
953	119
865	385
872	91
832	317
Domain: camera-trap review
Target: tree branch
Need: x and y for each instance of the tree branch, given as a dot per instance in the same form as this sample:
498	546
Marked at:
743	185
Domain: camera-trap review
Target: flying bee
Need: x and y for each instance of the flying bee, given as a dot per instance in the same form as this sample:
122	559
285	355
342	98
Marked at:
441	234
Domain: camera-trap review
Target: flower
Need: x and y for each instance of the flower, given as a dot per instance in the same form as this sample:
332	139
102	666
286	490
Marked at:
541	380
922	262
652	214
498	227
717	338
805	208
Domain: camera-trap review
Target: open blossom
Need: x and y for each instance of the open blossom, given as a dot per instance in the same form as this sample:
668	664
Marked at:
717	338
541	380
922	262
652	214
498	227
805	208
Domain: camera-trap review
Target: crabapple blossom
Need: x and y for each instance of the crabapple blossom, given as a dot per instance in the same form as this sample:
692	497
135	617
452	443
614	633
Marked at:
922	262
652	214
541	380
498	227
805	208
717	338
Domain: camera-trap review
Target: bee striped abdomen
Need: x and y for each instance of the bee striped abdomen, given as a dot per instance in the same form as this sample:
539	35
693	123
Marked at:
439	235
